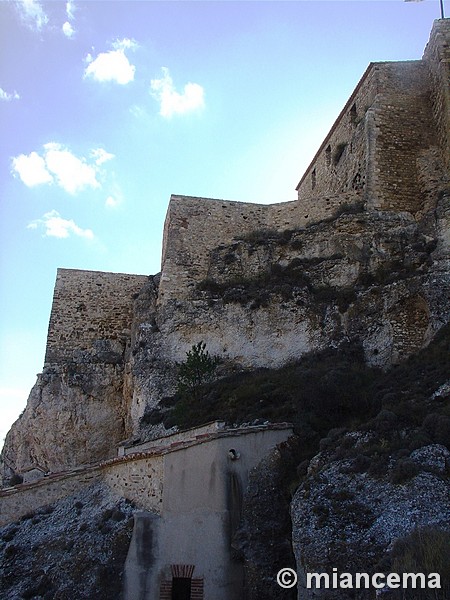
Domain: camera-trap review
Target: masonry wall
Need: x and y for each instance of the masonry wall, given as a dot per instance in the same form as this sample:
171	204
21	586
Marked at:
338	173
403	128
19	501
89	306
370	155
437	58
196	226
139	480
381	150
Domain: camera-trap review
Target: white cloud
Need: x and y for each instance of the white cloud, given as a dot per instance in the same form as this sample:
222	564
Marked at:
101	156
31	169
72	173
171	101
112	65
59	165
70	9
7	97
68	30
32	13
125	44
56	226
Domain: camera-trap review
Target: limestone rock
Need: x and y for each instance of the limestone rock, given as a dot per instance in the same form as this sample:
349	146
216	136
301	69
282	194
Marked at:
350	520
74	416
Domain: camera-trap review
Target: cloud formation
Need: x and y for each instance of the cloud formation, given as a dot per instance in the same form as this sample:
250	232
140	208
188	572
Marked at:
67	27
68	30
60	166
55	226
70	10
32	13
31	169
7	97
172	102
112	65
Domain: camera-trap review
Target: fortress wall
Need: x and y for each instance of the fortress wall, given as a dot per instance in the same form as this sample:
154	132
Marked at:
196	226
403	129
437	58
89	306
139	480
285	215
371	152
338	172
193	227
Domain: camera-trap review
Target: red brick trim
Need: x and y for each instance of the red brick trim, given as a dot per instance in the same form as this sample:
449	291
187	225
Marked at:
197	583
165	590
197	589
182	570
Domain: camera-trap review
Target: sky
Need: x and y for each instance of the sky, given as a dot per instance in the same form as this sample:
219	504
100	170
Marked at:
109	107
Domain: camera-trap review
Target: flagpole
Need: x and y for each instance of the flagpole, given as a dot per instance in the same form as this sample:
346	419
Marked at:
441	2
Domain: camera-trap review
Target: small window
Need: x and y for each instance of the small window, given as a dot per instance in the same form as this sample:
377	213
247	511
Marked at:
181	588
328	155
353	114
313	179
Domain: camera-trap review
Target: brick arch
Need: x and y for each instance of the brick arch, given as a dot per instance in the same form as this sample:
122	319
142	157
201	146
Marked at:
182	570
187	571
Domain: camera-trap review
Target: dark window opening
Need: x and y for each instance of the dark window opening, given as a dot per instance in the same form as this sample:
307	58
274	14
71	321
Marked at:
181	588
313	179
353	114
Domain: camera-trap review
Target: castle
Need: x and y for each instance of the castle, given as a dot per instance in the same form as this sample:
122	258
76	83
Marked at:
388	150
362	257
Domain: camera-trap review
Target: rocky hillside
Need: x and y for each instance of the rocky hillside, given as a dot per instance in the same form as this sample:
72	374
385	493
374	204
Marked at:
73	549
374	281
363	486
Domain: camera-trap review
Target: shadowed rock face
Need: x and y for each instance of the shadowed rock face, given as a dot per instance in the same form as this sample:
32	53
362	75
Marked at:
75	548
350	520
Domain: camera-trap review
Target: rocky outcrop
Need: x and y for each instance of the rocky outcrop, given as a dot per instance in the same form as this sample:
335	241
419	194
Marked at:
346	518
263	539
75	415
75	548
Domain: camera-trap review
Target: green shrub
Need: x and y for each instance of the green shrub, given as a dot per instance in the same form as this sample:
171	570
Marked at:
198	369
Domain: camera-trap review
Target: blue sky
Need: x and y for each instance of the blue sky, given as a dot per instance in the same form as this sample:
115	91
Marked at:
108	107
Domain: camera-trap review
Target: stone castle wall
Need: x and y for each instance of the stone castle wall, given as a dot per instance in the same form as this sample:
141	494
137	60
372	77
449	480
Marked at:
89	306
370	155
338	172
196	226
403	128
385	151
381	154
437	58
